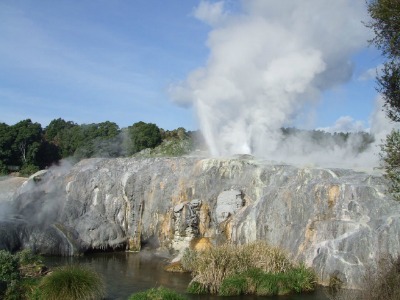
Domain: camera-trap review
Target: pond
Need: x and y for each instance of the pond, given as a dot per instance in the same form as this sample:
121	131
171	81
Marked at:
126	273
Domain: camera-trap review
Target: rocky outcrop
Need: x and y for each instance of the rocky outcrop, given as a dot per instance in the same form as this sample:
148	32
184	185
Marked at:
338	221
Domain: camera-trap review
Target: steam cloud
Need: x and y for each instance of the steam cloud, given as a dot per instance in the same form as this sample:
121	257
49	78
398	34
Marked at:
267	65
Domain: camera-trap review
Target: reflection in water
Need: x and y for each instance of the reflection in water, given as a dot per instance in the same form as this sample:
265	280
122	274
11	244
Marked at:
126	273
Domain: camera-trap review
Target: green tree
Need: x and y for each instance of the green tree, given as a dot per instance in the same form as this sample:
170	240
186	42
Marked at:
391	158
144	135
27	142
54	128
386	26
7	137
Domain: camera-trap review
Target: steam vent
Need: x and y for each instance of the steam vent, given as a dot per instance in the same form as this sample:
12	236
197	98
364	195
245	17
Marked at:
337	221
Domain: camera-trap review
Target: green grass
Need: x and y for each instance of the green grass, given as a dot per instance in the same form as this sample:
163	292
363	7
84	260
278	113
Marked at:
72	282
255	268
159	293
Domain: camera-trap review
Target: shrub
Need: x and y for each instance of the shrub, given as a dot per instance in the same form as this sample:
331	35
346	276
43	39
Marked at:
27	257
8	267
159	293
9	275
72	282
28	170
210	268
255	268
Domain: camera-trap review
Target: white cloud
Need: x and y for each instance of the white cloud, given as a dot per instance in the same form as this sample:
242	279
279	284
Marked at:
371	73
210	13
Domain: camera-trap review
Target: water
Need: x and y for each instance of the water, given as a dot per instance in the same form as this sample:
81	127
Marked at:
126	273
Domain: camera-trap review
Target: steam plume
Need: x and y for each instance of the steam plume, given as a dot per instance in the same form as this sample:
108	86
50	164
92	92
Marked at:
266	66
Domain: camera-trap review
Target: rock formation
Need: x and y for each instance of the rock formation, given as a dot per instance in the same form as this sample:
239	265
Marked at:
337	221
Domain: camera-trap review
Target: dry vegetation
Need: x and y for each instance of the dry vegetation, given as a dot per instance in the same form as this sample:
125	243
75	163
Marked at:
245	269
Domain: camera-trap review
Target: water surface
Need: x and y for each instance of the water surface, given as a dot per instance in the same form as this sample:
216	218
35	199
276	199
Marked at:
126	273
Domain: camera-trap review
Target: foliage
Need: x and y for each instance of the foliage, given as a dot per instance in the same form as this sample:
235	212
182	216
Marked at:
252	268
144	135
256	281
357	142
28	136
385	24
391	161
19	274
8	267
72	282
55	127
28	169
159	293
389	88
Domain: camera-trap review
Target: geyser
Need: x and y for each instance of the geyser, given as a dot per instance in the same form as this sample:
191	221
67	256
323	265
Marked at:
266	66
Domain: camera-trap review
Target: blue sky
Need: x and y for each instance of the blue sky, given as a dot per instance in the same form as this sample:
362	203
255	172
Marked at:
114	60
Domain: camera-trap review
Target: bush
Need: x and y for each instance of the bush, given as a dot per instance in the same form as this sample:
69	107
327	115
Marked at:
159	293
391	162
209	268
8	267
72	282
255	268
28	170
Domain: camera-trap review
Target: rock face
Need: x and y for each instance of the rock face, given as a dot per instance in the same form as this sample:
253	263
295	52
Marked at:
336	221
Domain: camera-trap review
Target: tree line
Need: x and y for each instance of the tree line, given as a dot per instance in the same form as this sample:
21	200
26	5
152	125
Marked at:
27	147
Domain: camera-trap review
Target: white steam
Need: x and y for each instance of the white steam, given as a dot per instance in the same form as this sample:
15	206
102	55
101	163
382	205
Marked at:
266	66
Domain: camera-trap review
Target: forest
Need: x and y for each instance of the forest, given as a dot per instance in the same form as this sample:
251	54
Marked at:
26	147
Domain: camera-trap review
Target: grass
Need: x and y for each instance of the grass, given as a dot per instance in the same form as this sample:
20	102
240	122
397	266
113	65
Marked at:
255	268
72	282
159	293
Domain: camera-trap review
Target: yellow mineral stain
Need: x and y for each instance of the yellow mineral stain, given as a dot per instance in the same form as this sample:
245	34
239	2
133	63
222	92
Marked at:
201	244
204	219
333	195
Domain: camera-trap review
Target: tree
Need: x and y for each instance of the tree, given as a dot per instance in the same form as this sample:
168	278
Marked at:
7	136
144	135
391	157
54	128
386	26
28	138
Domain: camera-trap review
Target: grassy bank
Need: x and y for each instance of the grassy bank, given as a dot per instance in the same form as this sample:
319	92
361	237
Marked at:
255	268
23	276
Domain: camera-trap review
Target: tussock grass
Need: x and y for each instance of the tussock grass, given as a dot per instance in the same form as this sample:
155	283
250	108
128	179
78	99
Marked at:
72	282
159	293
255	268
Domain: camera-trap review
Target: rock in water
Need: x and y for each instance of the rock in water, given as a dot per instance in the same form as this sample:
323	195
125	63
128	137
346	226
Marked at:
338	221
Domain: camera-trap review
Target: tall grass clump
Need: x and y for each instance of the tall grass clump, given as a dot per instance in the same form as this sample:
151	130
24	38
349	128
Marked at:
159	293
255	268
72	282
